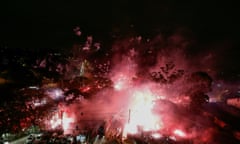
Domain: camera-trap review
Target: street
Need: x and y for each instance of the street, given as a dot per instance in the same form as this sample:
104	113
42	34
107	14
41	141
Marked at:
19	141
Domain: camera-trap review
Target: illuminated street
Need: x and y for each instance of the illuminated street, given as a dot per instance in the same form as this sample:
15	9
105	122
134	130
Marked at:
19	141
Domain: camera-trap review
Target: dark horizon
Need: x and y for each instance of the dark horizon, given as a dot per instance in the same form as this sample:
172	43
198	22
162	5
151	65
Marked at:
49	26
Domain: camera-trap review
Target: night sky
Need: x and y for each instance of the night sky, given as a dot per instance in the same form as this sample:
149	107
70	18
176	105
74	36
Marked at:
48	25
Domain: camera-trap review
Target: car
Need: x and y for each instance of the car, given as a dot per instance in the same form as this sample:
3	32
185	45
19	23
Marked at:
30	140
2	141
38	138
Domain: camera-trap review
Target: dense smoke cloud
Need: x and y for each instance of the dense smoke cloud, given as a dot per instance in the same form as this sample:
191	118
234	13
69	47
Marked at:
157	77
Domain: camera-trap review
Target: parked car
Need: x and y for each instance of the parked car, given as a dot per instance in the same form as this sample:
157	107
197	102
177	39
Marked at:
30	140
2	141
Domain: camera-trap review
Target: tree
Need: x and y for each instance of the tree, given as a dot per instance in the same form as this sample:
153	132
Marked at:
196	85
167	74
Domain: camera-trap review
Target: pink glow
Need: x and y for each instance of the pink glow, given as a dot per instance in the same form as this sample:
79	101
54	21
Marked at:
57	121
131	101
156	135
66	122
55	93
179	133
85	89
141	117
121	82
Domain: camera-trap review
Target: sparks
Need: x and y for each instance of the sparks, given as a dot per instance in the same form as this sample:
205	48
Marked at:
141	117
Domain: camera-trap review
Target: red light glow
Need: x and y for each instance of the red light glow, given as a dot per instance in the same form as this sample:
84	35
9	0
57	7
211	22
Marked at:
179	133
64	122
141	117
